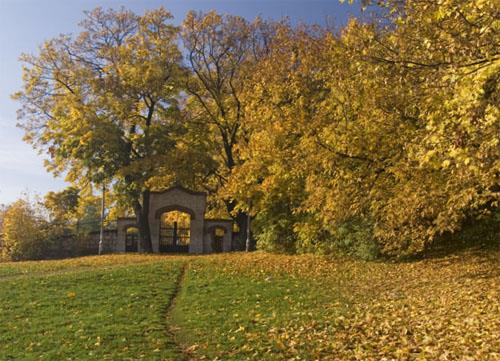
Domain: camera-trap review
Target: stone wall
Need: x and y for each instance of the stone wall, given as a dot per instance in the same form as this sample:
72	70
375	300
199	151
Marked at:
210	226
122	225
179	199
90	245
183	200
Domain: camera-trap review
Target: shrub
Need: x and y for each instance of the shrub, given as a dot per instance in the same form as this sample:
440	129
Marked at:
24	232
475	233
274	229
355	237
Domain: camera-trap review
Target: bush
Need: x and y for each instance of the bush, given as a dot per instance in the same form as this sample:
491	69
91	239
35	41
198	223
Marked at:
355	237
475	233
24	232
273	228
277	237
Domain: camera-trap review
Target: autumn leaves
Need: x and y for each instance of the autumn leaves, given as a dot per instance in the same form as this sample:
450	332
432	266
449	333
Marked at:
387	129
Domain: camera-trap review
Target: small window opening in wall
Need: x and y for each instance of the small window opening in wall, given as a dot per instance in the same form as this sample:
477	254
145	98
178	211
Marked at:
218	239
220	232
131	239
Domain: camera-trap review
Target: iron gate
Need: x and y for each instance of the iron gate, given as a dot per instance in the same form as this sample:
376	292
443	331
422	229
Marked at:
131	241
174	239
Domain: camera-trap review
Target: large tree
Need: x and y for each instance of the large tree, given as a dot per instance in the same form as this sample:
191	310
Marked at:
103	104
221	51
392	125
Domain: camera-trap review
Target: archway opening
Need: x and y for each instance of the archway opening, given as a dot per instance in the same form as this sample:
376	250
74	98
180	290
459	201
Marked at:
132	239
175	231
218	234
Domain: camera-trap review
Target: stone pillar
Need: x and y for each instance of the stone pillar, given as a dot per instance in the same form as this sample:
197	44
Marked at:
196	235
154	228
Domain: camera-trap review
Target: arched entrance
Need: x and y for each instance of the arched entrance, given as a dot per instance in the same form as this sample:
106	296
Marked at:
175	231
218	235
189	231
217	238
132	239
178	199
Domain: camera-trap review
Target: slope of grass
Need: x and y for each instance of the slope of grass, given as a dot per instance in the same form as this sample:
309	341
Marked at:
269	307
33	268
101	313
251	307
235	307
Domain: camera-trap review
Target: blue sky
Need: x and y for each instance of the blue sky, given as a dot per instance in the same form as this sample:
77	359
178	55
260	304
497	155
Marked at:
25	24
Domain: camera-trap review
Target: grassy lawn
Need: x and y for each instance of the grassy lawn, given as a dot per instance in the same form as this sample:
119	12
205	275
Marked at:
251	307
112	311
269	307
31	268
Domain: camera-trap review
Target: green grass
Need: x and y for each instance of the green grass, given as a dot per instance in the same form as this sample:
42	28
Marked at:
97	314
31	268
250	314
276	307
250	307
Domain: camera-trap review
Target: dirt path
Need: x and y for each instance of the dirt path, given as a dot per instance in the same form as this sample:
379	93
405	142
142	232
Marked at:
171	330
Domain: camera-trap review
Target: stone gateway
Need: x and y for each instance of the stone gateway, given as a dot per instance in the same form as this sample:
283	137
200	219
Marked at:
198	235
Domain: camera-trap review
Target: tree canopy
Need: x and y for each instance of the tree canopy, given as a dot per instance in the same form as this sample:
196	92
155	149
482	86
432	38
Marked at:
376	138
103	104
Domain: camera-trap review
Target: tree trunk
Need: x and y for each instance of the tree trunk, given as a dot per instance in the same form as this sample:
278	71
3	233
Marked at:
103	208
241	219
248	245
142	215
